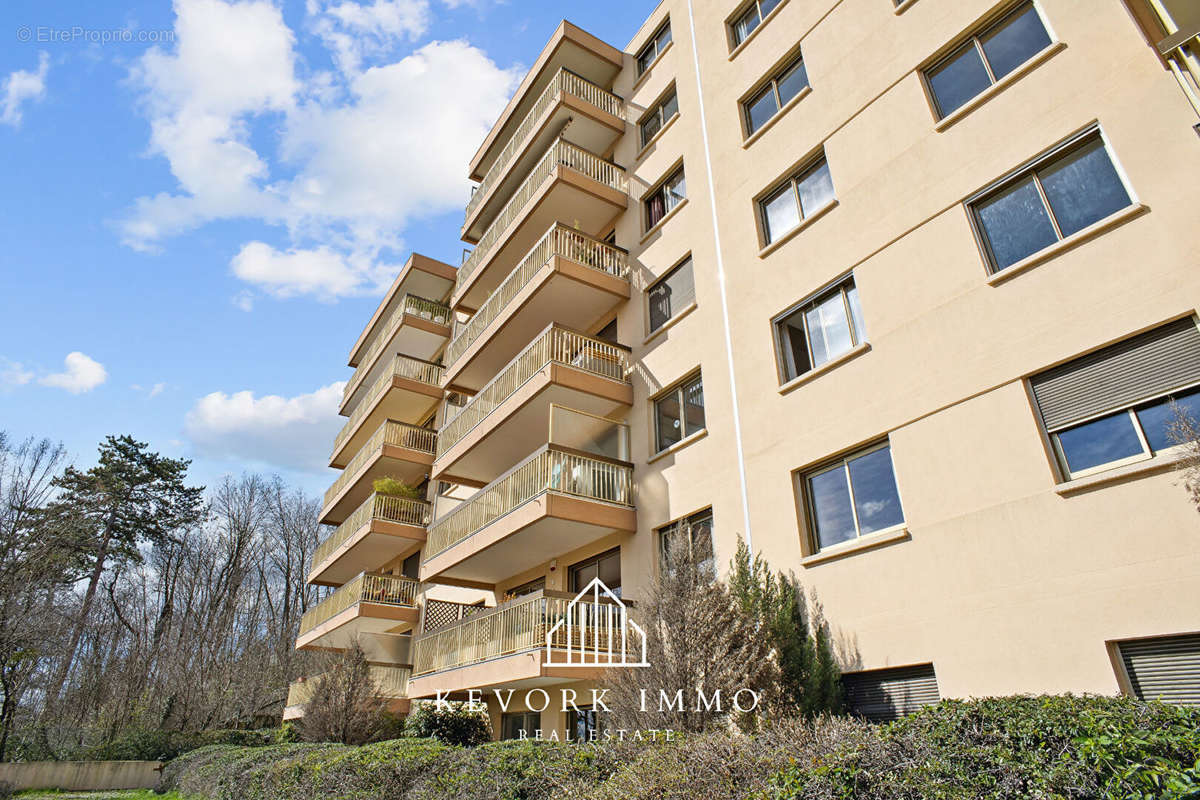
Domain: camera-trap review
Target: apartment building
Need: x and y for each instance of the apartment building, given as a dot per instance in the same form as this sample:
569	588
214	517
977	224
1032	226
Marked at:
900	293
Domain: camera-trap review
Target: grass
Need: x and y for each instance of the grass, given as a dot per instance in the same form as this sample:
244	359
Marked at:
137	794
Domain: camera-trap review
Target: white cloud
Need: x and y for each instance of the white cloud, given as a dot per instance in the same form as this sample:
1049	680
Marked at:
13	373
287	432
357	154
243	301
321	272
82	374
22	86
353	31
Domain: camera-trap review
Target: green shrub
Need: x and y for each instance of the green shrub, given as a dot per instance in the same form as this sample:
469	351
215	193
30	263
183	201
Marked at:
160	745
453	724
394	487
1046	746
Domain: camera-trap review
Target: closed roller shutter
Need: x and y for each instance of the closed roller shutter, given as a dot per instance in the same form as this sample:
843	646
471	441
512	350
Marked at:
1166	669
883	695
1150	364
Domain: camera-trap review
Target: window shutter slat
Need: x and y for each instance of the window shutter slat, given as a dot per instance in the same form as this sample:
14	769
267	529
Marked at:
883	695
1166	669
1152	363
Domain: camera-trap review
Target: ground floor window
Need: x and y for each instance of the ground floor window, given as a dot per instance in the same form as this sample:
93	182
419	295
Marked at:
512	726
882	695
584	725
1165	668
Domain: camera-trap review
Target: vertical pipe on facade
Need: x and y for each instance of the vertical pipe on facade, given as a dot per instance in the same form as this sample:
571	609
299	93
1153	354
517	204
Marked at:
712	204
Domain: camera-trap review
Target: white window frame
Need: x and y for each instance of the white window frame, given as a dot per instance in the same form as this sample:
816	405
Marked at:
843	461
1030	168
1131	410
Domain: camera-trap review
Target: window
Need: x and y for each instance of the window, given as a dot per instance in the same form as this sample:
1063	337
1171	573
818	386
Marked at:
986	58
679	413
536	585
1165	668
855	496
696	532
584	724
1118	406
609	332
778	91
659	116
1058	195
819	330
522	725
654	47
411	566
606	567
805	193
669	194
882	695
670	294
750	19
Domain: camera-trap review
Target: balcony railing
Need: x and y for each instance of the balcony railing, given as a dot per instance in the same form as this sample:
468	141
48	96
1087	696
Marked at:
544	471
377	506
1182	52
390	432
402	367
559	241
563	82
513	627
560	153
555	345
389	682
411	305
390	590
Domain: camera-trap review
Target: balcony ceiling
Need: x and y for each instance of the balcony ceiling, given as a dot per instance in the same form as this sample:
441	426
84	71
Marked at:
410	466
569	47
377	542
362	622
521	423
422	276
417	338
406	401
574	296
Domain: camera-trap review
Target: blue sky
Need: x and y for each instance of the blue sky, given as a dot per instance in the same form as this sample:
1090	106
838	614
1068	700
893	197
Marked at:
204	200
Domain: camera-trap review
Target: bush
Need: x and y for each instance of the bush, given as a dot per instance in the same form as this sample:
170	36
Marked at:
998	749
160	745
454	724
393	487
1046	746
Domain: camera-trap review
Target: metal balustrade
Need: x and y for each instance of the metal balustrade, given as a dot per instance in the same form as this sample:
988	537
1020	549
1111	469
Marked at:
563	82
390	682
561	153
402	367
560	241
378	506
400	434
517	626
544	471
411	305
367	587
555	345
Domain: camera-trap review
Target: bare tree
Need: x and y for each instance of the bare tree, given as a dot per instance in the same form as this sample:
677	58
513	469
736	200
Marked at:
699	642
1184	431
345	706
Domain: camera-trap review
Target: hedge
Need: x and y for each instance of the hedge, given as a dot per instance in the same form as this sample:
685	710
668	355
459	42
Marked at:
1016	747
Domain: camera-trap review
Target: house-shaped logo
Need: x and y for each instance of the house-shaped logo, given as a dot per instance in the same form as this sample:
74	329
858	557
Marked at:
596	631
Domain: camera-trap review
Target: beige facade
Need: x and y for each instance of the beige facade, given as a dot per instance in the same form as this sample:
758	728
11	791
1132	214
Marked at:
983	192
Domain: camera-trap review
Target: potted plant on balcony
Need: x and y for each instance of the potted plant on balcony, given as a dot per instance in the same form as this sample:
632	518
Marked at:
394	487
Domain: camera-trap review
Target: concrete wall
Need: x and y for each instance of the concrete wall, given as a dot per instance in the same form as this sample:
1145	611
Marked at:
82	776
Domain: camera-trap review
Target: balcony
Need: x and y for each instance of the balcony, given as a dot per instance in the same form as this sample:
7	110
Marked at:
506	645
567	184
510	414
407	391
396	450
382	529
417	327
391	685
420	276
567	278
596	118
368	604
551	503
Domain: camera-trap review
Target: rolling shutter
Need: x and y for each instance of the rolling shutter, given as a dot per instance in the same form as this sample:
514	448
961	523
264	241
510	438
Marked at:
1150	364
1166	669
883	695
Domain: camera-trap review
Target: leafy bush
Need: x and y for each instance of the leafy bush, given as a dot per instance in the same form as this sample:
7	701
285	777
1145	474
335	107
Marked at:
1047	746
453	724
394	487
159	745
1000	748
